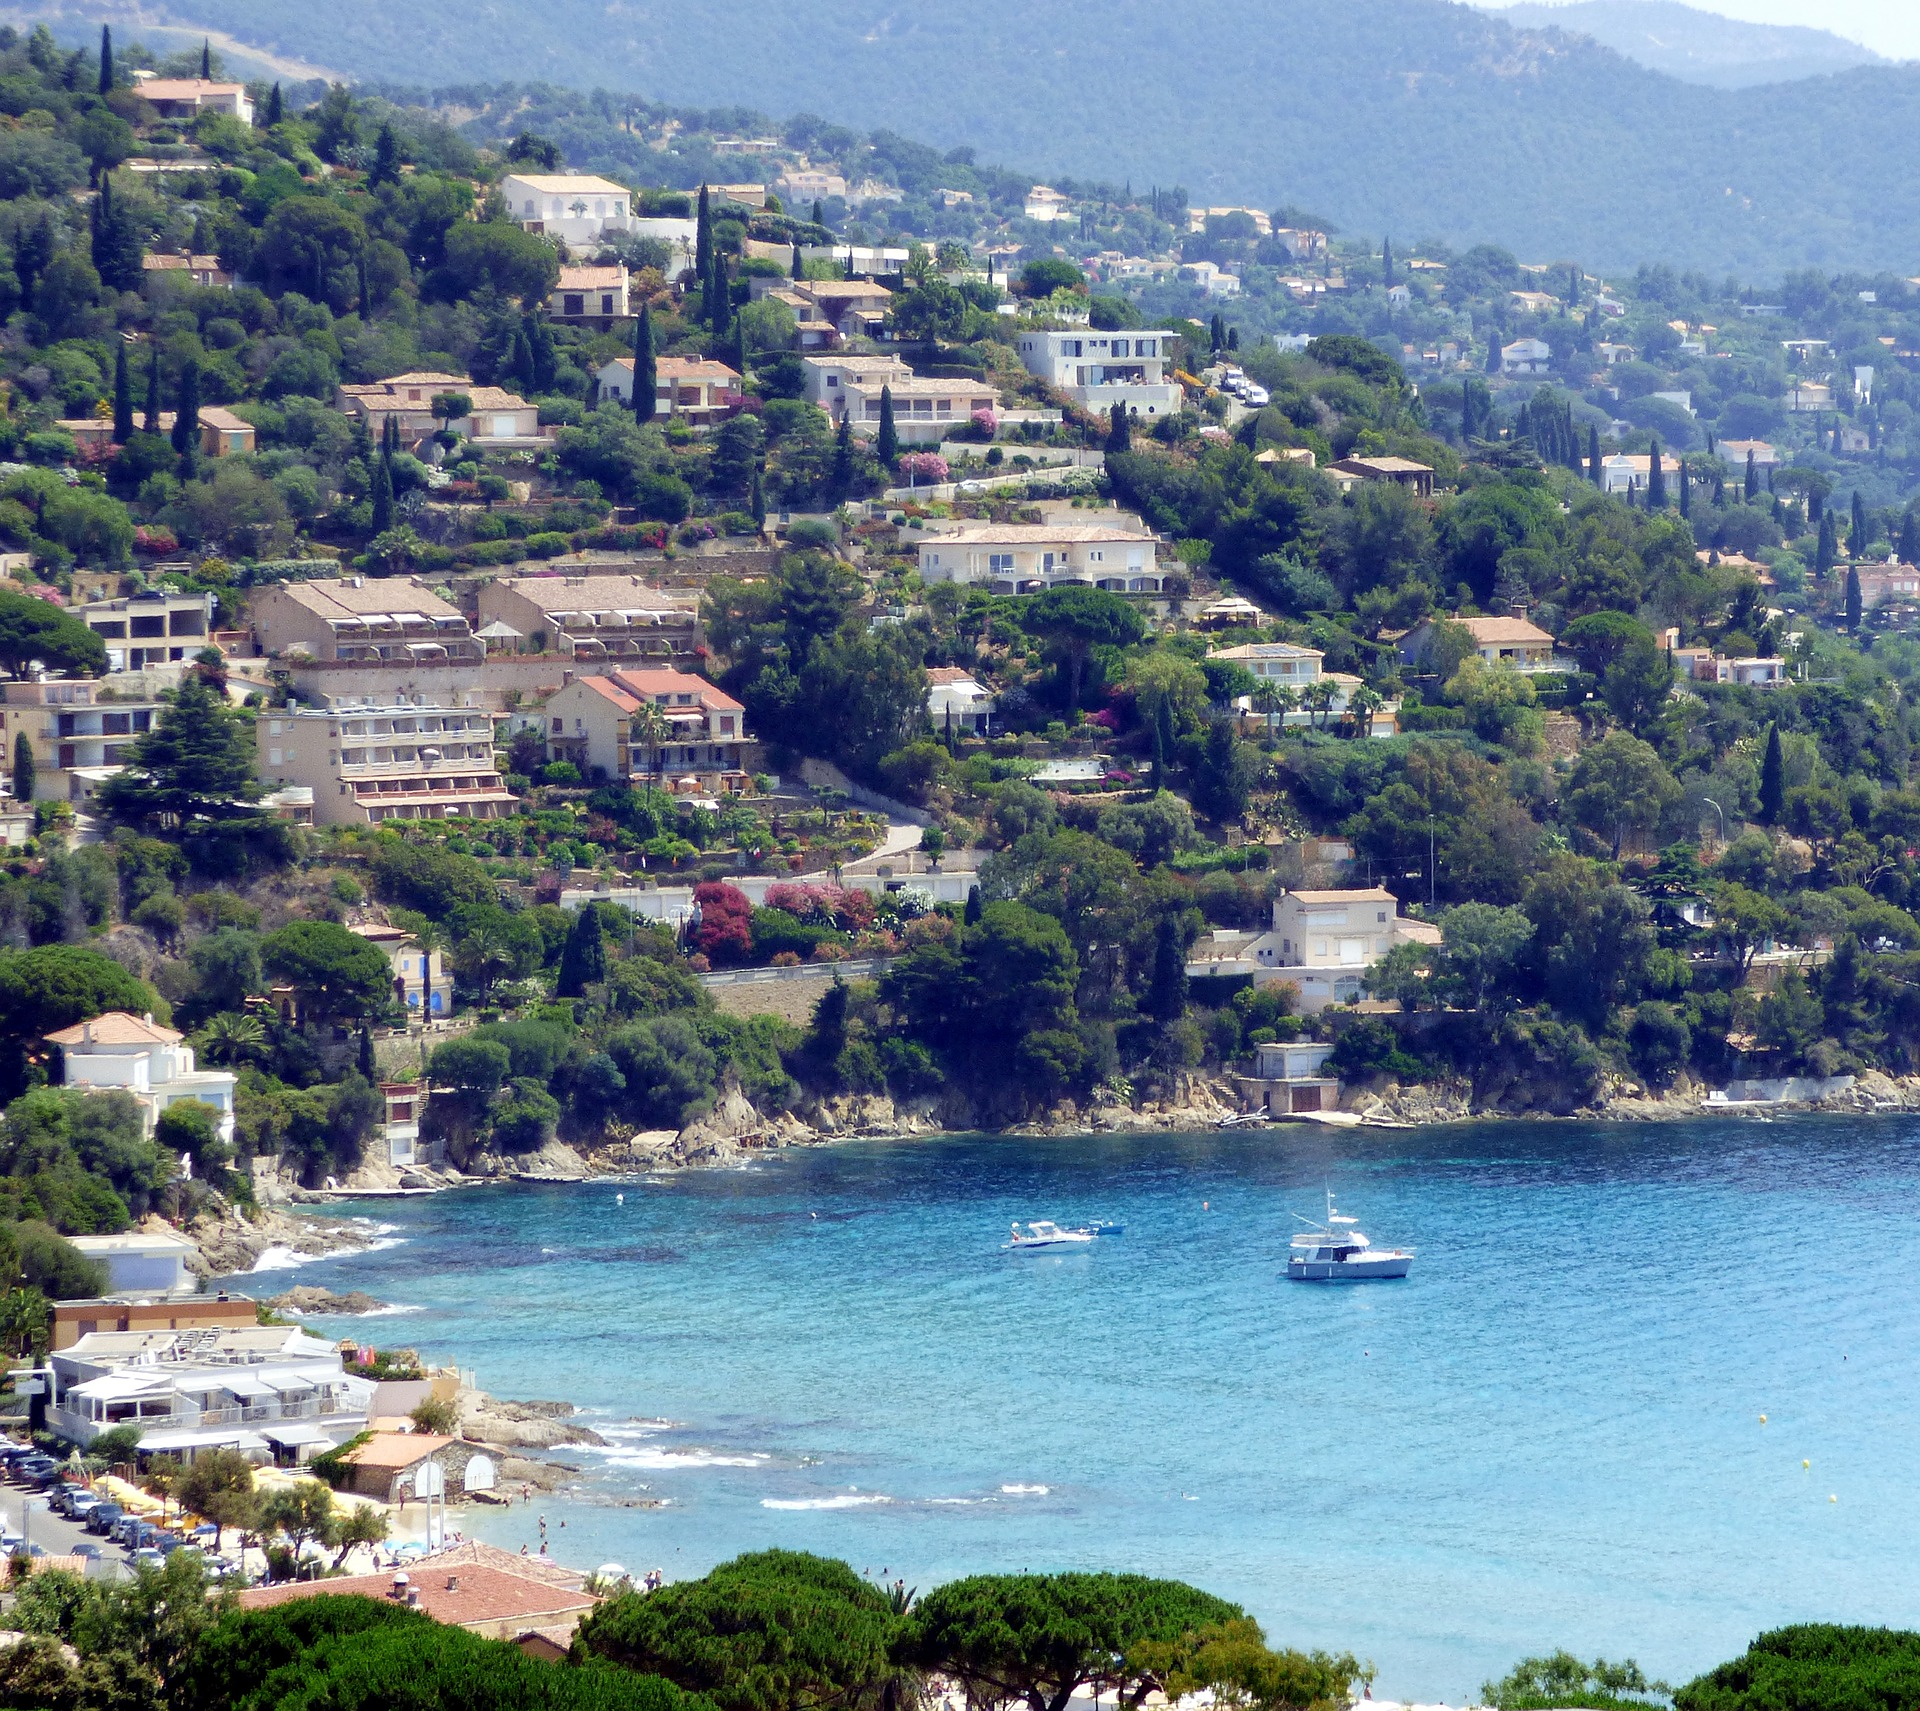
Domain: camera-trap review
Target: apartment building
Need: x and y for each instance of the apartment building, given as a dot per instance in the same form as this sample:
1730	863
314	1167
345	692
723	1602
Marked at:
590	722
1023	558
576	208
696	389
78	733
614	617
925	411
1323	942
590	296
1100	370
370	761
154	627
134	1054
375	620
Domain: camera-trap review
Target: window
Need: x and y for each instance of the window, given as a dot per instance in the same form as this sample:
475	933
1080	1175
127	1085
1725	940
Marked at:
1000	564
273	757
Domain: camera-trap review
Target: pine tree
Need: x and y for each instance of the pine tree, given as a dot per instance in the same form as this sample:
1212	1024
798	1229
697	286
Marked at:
583	959
1656	480
1753	477
382	494
703	239
887	441
1594	472
122	394
1773	779
23	768
106	59
206	61
1854	603
151	422
645	376
274	109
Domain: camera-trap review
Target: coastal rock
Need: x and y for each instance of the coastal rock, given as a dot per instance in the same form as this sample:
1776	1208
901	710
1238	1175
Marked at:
230	1243
519	1425
310	1298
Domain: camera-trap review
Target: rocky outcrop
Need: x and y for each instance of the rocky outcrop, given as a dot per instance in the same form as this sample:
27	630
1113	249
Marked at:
519	1425
230	1243
310	1298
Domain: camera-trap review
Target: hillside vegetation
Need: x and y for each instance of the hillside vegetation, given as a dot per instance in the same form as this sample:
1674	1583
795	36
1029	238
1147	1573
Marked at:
1412	116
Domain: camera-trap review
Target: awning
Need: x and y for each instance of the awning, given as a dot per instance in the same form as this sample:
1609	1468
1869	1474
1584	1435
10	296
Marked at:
203	1438
294	1433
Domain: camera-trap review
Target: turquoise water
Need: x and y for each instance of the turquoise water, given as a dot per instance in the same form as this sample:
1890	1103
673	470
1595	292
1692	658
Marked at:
1549	1435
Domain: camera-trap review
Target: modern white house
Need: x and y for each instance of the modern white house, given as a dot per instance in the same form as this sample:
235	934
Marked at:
133	1054
269	1391
145	1262
925	411
188	97
1023	558
1100	370
573	207
1323	942
956	701
695	388
1526	356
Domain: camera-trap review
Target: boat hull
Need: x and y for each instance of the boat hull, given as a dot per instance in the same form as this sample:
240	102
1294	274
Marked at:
1073	1241
1368	1268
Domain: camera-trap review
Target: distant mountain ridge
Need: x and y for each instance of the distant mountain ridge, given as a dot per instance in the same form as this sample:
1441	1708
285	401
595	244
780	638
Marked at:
1415	118
1697	46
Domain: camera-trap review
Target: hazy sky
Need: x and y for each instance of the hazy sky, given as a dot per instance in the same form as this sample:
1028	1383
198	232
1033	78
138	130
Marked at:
1891	27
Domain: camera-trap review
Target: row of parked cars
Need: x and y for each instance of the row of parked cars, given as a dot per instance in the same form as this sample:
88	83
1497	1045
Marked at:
144	1543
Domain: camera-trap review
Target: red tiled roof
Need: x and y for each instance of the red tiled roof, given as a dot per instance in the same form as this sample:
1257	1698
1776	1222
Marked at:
463	1595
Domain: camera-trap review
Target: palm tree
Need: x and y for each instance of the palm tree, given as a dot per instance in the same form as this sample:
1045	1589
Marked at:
649	728
1362	704
1274	698
1318	698
232	1037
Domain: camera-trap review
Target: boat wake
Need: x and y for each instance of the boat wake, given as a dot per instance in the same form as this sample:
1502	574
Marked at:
841	1500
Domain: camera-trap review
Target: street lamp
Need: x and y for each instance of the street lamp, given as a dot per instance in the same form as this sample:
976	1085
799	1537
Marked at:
1715	806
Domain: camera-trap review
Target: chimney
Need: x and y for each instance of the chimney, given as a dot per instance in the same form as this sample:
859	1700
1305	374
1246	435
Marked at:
149	1018
413	1598
399	1585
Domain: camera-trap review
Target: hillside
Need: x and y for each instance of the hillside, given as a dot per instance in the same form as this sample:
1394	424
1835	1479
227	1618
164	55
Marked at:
1697	46
1414	117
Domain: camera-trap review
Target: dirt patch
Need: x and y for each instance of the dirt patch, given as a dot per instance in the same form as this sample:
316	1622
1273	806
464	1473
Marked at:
790	1000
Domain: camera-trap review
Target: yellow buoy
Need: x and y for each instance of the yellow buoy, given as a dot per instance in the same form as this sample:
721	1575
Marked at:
1763	1419
1806	1464
1833	1499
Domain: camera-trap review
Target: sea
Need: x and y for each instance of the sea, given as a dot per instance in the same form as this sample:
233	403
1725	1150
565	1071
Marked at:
1649	1390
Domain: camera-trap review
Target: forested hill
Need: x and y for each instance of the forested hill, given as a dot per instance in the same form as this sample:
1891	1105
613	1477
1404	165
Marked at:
1697	46
1415	117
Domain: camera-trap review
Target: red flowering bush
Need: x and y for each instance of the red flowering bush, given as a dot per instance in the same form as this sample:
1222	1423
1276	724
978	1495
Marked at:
155	542
823	905
725	932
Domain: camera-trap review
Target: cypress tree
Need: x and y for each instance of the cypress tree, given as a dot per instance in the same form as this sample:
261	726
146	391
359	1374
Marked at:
703	239
1719	489
842	478
971	915
645	376
1753	477
1773	779
122	394
151	423
887	440
186	420
1816	504
1854	603
1686	488
1167	990
1493	350
1119	430
1910	539
757	499
722	298
366	286
583	959
739	352
1656	480
206	60
274	110
23	768
106	59
1827	553
1233	338
1857	535
386	158
799	267
1386	262
1594	472
382	494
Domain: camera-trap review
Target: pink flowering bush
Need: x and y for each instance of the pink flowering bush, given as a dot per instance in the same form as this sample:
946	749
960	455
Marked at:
985	424
923	466
823	905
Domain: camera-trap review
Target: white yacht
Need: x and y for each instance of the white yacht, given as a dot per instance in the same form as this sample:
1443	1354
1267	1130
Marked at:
1336	1252
1044	1233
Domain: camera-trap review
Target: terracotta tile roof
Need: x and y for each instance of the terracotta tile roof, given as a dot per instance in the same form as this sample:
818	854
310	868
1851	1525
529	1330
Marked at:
1034	534
612	692
561	183
1503	630
396	1449
590	278
183	88
1375	894
374	597
462	1595
656	683
943	674
482	1555
115	1028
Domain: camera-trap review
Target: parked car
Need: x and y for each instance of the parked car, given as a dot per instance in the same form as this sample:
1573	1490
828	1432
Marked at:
146	1557
123	1529
82	1504
102	1518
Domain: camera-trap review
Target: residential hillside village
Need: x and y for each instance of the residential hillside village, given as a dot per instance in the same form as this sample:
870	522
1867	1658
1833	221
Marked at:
542	627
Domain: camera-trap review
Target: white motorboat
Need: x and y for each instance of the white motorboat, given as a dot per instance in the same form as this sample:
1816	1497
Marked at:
1243	1120
1336	1252
1044	1233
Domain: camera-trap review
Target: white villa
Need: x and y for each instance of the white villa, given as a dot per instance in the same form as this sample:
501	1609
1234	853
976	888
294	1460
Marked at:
1322	941
1295	669
154	1064
1100	370
956	699
573	207
1023	558
1513	643
925	411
